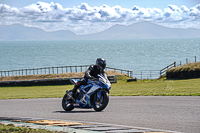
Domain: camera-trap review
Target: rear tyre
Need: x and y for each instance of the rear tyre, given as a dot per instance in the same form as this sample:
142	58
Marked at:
100	104
67	103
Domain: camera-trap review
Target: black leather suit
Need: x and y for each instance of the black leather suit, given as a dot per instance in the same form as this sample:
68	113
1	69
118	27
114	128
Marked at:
91	73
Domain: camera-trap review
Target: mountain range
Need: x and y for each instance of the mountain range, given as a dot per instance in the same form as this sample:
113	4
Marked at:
141	30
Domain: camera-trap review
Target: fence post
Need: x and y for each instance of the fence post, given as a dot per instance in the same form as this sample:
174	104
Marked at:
186	60
150	74
195	58
174	64
131	73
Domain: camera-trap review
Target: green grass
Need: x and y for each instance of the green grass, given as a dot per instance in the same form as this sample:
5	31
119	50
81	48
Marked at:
10	128
33	92
161	87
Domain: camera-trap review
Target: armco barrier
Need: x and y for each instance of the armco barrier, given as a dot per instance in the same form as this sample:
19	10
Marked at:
41	82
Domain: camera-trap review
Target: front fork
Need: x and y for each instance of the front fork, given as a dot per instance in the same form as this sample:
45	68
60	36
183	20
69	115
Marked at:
70	96
99	95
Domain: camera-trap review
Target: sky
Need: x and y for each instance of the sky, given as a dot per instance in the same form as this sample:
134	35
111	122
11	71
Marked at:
91	16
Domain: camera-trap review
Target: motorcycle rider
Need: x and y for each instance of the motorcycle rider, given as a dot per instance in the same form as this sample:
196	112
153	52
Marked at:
91	74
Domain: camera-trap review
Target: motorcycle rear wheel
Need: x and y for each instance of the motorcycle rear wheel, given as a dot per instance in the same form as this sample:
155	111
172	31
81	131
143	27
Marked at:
100	104
67	104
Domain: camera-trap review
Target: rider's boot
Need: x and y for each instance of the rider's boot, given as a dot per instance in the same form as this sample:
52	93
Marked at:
74	91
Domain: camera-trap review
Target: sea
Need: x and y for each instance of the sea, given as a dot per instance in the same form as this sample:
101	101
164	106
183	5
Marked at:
133	55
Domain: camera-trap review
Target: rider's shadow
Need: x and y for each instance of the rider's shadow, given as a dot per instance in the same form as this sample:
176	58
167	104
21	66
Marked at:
77	111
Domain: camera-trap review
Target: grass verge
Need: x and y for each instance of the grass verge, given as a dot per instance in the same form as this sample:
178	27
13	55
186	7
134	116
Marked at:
161	87
187	67
10	128
157	87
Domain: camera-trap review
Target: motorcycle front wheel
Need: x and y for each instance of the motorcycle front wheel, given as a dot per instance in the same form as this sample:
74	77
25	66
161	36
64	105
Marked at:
67	104
100	104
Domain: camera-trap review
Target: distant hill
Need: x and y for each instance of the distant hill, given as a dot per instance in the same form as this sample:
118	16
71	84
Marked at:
144	30
19	32
141	30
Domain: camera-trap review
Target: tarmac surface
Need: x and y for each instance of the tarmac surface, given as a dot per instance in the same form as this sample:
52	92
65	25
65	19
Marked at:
143	113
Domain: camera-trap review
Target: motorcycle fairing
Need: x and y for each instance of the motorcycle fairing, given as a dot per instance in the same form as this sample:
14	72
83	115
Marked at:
74	81
94	87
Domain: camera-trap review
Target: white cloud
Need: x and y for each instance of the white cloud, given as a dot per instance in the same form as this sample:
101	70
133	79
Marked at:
85	19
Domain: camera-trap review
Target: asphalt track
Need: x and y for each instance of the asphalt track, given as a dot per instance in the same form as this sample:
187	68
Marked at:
172	113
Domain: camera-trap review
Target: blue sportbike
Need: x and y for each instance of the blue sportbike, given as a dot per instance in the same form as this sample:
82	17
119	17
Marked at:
95	94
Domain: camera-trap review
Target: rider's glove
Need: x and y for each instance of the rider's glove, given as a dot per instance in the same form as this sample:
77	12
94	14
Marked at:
94	79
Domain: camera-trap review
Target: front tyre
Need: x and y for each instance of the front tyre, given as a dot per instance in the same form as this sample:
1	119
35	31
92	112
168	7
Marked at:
100	104
67	103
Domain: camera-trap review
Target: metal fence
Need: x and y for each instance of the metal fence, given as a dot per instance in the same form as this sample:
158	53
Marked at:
147	74
164	70
188	60
57	70
140	74
177	64
126	72
46	70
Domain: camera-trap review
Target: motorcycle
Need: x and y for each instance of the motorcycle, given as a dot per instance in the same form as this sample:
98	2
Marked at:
95	94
